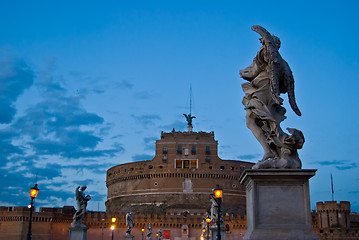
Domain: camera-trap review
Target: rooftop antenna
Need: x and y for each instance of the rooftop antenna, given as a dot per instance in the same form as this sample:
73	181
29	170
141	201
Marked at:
189	117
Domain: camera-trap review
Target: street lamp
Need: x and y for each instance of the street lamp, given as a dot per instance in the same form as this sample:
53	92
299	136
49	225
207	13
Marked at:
217	196
142	232
113	220
208	220
33	193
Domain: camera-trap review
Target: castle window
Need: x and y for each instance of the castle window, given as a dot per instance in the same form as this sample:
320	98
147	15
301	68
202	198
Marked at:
193	163
178	163
164	149
186	151
193	150
208	159
185	163
208	150
227	227
222	168
164	159
179	149
232	168
149	167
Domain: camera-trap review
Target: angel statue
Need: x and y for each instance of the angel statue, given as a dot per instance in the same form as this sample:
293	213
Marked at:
269	76
160	234
81	206
189	118
129	223
149	231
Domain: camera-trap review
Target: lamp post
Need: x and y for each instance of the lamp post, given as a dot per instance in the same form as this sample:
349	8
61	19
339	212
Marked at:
208	220
33	193
217	196
142	232
113	220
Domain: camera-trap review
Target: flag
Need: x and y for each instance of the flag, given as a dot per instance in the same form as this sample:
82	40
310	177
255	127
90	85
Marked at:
331	179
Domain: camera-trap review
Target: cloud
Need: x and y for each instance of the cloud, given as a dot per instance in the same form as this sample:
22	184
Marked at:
7	149
125	84
177	125
142	157
54	125
49	172
143	95
149	143
248	156
15	77
339	164
146	119
85	182
47	137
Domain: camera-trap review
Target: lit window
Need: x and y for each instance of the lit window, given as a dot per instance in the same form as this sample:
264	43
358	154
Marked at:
178	163
193	163
185	163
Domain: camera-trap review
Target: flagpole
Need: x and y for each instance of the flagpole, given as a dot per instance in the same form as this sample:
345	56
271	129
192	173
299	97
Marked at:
331	180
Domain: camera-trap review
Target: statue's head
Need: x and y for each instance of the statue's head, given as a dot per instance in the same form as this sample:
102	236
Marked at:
276	41
83	187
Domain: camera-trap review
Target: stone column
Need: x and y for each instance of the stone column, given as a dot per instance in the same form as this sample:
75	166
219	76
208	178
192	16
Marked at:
78	233
278	205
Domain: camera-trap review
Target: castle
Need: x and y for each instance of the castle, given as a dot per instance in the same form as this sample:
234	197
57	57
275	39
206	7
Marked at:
179	178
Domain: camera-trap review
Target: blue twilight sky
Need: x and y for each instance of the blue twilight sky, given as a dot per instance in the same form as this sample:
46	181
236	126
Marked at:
86	85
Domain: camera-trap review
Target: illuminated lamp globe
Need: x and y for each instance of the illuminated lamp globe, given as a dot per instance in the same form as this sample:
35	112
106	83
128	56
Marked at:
218	192
34	191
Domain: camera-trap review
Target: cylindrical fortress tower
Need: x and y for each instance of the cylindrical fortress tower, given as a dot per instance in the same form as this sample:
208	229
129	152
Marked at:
179	178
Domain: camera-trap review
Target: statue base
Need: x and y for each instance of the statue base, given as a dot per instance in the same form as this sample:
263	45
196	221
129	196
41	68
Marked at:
278	205
214	230
128	237
78	233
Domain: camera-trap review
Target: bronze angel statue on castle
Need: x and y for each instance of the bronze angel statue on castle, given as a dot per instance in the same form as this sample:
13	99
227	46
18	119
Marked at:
269	75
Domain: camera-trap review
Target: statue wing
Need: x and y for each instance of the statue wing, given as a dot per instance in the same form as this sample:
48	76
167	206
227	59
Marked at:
77	193
274	60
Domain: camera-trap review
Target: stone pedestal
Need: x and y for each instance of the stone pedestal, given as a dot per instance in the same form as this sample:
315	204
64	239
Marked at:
128	237
278	205
78	233
214	230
